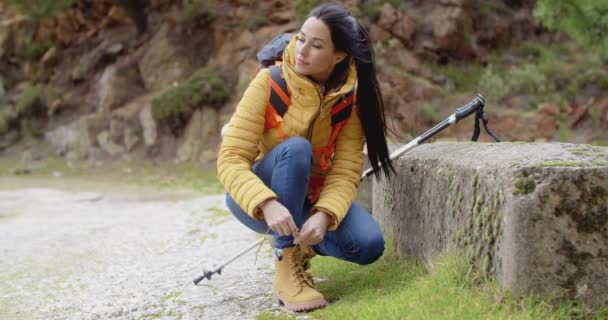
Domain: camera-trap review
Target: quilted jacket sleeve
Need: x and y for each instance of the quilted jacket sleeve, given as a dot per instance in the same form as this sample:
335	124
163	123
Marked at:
239	149
344	176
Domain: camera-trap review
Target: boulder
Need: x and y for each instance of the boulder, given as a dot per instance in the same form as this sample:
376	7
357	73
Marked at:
130	123
388	16
164	63
115	87
452	29
106	144
77	137
201	133
148	125
534	216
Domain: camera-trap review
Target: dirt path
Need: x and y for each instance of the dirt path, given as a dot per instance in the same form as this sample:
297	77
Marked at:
124	254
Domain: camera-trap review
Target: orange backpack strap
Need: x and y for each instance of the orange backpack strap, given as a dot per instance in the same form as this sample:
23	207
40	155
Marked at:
278	101
340	113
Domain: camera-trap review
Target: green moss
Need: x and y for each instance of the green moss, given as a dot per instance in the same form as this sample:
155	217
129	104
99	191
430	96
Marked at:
589	152
218	216
171	295
4	121
203	238
203	88
562	163
28	99
37	280
41	8
524	186
156	315
479	235
599	163
598	192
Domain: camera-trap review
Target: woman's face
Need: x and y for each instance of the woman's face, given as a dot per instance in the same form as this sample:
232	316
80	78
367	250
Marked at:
316	55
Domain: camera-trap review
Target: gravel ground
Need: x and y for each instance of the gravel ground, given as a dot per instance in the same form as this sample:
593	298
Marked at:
121	255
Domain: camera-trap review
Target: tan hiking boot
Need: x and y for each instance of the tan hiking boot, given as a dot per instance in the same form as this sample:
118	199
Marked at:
291	285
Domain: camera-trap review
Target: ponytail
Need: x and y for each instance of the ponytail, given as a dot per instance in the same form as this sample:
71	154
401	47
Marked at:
370	108
349	36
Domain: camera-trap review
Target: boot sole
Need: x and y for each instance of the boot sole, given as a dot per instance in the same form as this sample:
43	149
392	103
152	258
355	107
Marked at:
306	306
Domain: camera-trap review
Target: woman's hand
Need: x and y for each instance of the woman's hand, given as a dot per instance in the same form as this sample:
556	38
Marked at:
313	230
279	219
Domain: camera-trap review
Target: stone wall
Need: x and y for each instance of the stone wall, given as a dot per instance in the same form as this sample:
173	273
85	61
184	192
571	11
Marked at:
534	216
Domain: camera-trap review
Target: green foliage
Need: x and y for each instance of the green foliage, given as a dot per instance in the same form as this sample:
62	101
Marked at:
583	20
430	113
33	50
303	7
492	85
203	88
28	99
4	120
564	133
198	12
527	79
462	77
39	9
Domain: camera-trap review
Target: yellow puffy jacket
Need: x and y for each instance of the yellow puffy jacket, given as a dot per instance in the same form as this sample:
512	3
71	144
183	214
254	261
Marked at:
307	116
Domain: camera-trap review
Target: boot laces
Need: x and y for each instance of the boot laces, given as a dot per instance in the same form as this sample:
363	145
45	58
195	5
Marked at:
298	267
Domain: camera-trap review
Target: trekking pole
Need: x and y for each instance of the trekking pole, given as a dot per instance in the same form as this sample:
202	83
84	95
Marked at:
218	269
476	105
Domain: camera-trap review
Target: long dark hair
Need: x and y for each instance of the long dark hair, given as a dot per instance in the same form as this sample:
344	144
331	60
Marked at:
349	36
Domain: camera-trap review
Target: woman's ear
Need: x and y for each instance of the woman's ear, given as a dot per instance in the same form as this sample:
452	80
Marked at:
339	56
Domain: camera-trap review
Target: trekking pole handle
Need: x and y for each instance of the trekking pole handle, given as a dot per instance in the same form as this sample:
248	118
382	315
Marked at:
474	105
477	103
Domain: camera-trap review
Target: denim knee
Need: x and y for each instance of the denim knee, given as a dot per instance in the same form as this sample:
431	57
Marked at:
371	249
298	146
299	151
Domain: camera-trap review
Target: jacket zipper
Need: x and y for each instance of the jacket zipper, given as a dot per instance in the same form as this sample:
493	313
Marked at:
314	119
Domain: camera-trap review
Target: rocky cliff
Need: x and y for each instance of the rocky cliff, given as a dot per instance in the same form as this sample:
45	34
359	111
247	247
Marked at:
88	83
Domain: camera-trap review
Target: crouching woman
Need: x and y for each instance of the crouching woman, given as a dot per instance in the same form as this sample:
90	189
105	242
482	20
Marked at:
295	173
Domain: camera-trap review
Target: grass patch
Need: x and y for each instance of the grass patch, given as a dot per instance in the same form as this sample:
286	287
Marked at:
177	176
167	176
394	288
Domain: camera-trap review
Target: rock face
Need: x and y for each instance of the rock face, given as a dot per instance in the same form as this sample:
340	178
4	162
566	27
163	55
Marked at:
535	216
163	63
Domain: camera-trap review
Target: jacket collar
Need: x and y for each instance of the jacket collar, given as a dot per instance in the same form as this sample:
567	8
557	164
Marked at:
304	84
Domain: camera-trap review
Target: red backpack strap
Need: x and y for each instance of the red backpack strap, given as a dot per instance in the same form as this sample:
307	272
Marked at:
278	101
340	114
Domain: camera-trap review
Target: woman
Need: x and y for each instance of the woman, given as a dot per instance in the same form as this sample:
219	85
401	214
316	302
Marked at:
290	177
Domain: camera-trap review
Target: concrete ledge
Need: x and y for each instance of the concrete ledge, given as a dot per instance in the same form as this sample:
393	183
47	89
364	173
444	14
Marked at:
535	216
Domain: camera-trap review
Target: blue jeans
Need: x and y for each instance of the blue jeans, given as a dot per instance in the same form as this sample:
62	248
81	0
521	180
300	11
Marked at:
286	170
